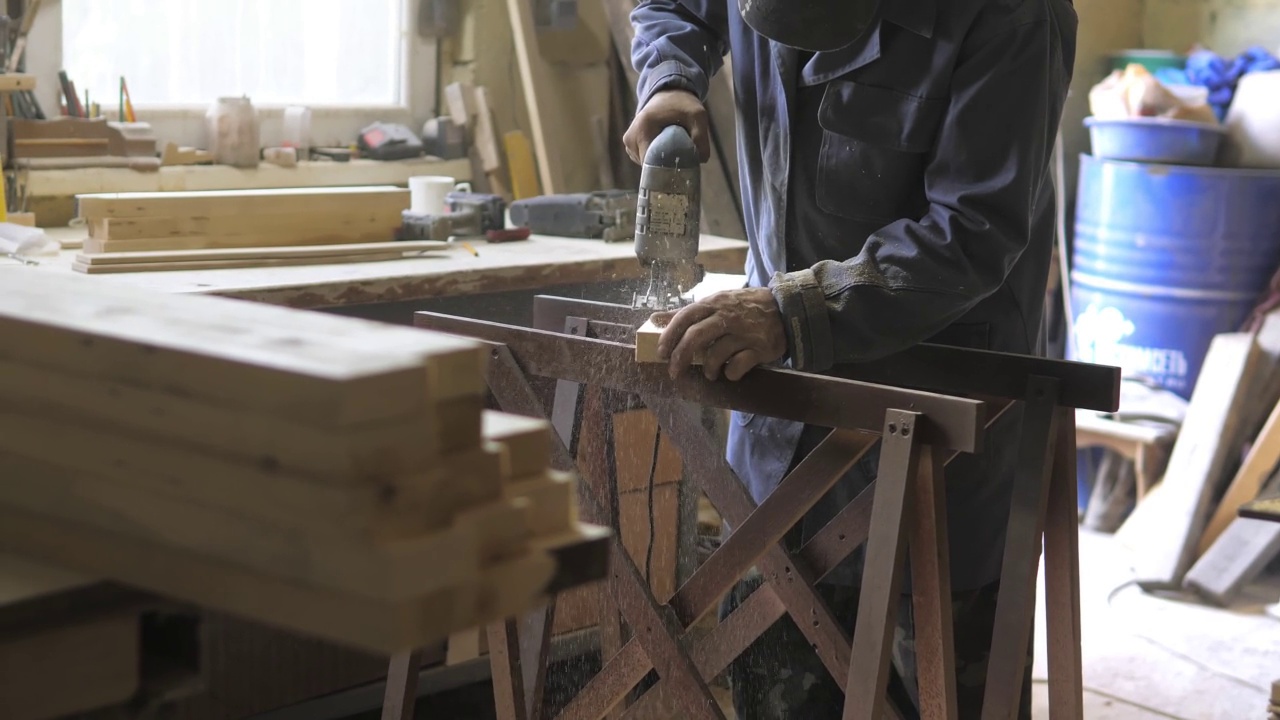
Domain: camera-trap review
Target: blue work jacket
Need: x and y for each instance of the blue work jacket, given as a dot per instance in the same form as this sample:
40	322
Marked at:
896	191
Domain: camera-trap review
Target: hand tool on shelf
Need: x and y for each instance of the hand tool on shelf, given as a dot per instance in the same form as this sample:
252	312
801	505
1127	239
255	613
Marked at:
469	215
668	213
608	214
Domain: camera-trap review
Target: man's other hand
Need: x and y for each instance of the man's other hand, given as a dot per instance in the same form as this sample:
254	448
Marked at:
666	108
732	331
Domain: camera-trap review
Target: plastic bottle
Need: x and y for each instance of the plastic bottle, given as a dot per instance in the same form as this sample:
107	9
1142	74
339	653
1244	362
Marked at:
297	130
233	132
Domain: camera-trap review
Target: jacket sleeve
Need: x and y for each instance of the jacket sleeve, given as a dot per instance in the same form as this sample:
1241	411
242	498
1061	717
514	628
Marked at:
679	44
983	180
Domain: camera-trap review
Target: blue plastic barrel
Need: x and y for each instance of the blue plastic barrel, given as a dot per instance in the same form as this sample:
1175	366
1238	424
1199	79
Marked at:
1166	257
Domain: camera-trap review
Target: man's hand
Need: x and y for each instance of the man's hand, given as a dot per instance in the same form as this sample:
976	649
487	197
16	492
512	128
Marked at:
666	108
733	331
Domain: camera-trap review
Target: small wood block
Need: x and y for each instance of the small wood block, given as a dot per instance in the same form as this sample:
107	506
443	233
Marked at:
552	502
1275	693
502	528
647	343
27	219
527	440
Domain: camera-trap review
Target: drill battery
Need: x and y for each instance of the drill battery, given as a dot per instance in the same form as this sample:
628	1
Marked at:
608	214
469	215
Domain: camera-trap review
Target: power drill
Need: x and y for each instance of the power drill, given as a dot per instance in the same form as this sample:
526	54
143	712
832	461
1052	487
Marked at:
668	212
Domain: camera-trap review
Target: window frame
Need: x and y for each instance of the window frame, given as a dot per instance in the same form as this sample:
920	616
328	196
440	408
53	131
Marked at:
184	124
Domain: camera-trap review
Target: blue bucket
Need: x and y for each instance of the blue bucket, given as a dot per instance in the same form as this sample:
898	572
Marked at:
1166	257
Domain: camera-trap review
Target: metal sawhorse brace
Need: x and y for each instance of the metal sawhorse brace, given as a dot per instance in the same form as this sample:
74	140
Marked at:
919	430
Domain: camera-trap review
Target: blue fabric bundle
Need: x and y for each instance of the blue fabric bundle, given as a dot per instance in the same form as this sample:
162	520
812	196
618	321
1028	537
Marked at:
1220	75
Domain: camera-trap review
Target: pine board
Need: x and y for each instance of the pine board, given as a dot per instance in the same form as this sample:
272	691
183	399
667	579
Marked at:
193	265
381	508
375	625
228	242
1239	554
368	452
391	570
1248	481
552	500
263	253
1165	529
527	441
226	226
273	201
313	368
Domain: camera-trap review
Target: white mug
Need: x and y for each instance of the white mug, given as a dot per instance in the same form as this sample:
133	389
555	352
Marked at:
427	193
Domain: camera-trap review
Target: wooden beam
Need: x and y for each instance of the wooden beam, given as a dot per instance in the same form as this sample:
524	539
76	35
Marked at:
537	95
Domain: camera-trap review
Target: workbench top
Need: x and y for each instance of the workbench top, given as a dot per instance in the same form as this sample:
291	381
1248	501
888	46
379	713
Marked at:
539	262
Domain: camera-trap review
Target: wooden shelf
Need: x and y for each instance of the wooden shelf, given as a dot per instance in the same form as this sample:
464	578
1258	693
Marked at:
65	183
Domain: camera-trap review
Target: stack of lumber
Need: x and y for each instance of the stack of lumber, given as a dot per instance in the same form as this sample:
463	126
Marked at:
1186	532
68	142
323	474
215	228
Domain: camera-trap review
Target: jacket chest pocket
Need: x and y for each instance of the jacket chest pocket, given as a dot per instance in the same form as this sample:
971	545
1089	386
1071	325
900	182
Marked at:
875	143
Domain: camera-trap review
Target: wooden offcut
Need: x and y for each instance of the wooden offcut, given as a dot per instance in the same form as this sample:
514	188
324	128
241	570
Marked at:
1164	531
273	201
647	337
1257	467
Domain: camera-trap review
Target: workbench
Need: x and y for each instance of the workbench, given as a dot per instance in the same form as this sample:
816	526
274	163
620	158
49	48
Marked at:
539	263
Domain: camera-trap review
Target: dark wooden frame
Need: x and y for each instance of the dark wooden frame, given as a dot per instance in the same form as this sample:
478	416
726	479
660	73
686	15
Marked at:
919	431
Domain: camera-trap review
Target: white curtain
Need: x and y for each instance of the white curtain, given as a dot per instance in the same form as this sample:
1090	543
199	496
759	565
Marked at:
190	52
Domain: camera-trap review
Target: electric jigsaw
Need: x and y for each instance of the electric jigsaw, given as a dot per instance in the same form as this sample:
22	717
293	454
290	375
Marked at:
668	212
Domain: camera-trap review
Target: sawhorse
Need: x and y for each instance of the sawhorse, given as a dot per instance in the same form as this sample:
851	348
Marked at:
904	507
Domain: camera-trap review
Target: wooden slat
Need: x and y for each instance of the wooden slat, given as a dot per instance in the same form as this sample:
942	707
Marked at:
391	570
528	441
954	423
931	591
259	253
315	369
317	223
1255	470
272	201
1243	549
1165	529
537	96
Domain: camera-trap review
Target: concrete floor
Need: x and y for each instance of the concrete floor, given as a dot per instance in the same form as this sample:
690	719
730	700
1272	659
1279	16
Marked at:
1148	657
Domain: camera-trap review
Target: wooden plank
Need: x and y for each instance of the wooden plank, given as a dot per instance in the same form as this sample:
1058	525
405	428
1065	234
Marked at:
552	502
382	627
14	82
538	97
316	369
931	591
1165	529
1062	578
221	242
955	423
528	441
349	250
390	570
524	177
1240	553
868	672
194	265
1245	486
376	507
271	201
633	513
284	225
68	183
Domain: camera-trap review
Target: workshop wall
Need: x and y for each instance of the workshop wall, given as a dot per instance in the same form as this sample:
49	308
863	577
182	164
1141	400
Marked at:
1224	26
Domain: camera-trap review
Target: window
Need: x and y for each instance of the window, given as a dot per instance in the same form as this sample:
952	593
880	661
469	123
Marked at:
342	53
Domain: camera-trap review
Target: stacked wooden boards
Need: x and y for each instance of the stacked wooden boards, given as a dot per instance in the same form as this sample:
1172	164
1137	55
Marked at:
1186	533
323	474
215	228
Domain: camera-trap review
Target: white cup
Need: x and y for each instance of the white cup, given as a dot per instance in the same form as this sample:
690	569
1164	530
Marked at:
427	193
